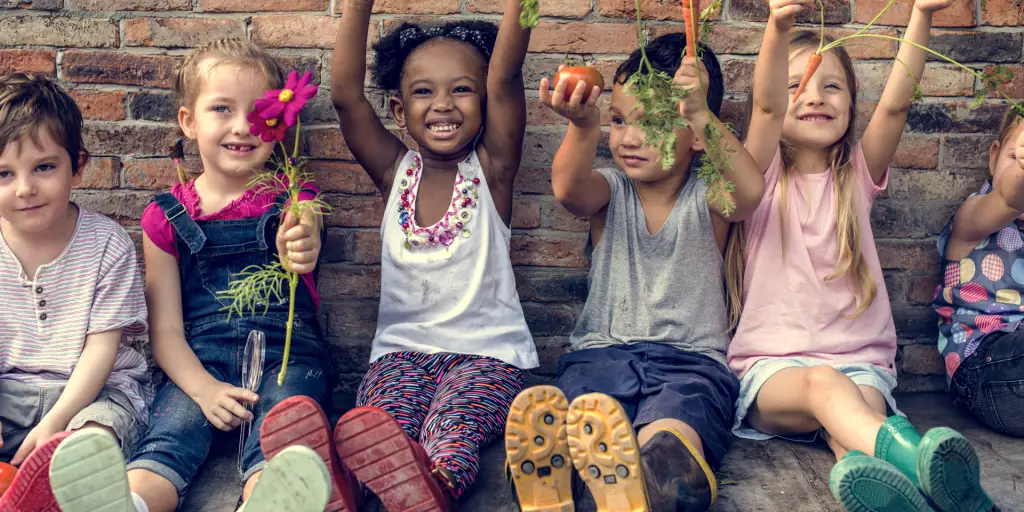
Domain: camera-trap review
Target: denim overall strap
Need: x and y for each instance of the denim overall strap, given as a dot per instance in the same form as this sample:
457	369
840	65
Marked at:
186	228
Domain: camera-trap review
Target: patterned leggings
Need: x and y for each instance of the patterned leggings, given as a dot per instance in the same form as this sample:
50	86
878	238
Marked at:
453	404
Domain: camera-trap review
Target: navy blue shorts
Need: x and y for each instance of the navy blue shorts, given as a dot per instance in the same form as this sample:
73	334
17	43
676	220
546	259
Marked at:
653	381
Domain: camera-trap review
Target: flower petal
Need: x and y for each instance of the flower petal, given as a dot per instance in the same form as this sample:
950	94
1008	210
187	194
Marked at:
305	93
272	111
290	115
292	80
255	130
267	135
304	81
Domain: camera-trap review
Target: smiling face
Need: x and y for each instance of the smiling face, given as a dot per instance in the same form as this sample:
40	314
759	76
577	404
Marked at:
822	115
35	184
443	92
217	121
640	162
1003	153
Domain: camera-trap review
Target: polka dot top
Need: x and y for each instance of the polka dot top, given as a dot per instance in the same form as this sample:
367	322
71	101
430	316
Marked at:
979	294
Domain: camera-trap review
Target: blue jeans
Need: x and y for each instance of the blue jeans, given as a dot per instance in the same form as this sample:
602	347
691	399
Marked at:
990	383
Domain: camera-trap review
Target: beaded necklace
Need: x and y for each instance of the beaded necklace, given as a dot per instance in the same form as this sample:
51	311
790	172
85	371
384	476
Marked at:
455	220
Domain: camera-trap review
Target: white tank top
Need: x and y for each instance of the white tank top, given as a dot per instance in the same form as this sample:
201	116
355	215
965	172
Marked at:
449	287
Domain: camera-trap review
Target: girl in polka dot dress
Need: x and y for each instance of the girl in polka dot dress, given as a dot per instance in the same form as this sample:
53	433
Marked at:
979	300
816	343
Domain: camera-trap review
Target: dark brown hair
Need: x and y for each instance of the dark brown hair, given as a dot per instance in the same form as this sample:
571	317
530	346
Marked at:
28	103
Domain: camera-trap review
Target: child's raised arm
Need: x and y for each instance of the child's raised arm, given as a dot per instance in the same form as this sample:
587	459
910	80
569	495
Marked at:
576	185
984	214
882	136
505	125
770	99
377	150
741	169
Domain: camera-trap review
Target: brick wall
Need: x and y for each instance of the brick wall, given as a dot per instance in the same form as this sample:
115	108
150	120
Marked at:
117	57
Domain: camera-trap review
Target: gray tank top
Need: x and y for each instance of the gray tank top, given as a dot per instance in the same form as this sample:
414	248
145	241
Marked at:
663	288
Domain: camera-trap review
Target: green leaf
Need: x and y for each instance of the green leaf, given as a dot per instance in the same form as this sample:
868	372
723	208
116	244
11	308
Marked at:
530	14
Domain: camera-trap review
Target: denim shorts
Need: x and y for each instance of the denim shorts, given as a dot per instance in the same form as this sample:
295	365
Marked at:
23	405
655	381
862	374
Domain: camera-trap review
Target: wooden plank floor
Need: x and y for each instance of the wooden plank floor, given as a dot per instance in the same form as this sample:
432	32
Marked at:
769	476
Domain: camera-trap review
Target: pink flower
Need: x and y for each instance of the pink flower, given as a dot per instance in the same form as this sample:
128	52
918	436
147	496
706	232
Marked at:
267	130
288	102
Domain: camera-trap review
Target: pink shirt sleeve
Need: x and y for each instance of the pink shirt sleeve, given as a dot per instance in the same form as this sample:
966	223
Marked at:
156	226
871	189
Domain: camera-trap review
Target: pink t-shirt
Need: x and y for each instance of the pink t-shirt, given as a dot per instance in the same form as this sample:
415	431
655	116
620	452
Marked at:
789	309
250	204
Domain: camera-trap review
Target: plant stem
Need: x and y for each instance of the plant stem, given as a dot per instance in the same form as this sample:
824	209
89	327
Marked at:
293	281
640	37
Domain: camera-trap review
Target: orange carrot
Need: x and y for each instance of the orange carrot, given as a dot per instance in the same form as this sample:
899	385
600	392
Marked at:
812	65
691	30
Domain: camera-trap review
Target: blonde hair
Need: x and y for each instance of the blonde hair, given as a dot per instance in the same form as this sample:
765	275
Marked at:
238	52
851	262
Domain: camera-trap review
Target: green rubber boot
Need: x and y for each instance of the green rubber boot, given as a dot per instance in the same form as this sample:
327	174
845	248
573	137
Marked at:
861	483
950	473
896	443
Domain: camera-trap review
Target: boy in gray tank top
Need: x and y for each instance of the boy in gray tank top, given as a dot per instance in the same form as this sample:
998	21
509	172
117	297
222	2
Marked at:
646	370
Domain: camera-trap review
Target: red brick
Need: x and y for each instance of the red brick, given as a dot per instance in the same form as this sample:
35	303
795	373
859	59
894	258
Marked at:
738	74
556	217
649	9
525	214
155	173
836	11
329	143
918	255
120	205
539	114
938	79
1002	13
57	31
533	180
349	282
561	250
101	172
923	360
578	37
121	139
917	152
364	248
355	211
119	68
561	9
415	7
100	105
961	14
42	5
296	30
922	289
1015	88
40	62
347	177
134	5
263	5
179	32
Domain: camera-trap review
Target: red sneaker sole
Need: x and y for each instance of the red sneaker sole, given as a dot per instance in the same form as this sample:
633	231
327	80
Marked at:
299	420
30	490
376	449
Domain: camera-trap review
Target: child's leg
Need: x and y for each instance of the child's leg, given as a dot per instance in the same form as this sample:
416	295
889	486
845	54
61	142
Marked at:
399	384
877	403
469	410
988	383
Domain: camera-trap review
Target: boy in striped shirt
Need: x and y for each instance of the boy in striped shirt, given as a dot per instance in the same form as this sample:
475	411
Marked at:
72	295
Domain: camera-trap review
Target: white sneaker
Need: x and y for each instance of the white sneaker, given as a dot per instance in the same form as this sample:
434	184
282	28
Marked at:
88	473
295	480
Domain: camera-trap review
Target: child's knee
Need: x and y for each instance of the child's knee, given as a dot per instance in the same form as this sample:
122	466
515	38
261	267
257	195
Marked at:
821	381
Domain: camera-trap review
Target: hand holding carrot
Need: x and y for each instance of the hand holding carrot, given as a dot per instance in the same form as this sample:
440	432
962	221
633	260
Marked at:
583	114
932	5
784	12
695	80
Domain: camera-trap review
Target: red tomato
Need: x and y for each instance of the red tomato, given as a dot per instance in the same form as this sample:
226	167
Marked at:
573	75
7	472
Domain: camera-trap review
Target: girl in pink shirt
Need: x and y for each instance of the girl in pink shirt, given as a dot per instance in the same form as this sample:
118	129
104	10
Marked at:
815	345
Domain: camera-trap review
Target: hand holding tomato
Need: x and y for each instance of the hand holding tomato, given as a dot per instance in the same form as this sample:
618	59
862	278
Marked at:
7	473
578	104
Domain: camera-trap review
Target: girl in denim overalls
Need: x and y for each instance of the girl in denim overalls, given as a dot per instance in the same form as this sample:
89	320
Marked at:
196	238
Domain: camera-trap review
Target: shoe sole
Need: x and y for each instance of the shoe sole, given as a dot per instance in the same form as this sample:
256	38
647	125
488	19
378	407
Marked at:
538	452
950	473
88	474
606	454
867	484
295	480
374	447
298	420
30	489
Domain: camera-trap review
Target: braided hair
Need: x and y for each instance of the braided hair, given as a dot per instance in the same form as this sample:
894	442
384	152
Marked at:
393	50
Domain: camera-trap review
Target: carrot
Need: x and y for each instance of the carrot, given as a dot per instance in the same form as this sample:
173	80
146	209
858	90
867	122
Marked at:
691	29
812	65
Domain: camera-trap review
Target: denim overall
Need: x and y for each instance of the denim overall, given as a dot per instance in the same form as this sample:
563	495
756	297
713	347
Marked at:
210	252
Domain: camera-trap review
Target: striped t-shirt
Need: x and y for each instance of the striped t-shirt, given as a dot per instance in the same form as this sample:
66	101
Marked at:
94	286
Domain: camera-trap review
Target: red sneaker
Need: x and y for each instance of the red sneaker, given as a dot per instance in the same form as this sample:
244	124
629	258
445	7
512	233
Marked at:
300	420
30	490
376	449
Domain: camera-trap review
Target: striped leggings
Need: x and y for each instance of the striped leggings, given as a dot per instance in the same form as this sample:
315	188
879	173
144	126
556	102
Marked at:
453	404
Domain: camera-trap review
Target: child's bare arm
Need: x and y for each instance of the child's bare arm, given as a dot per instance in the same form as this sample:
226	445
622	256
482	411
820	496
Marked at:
219	401
770	99
982	215
377	150
882	135
505	125
576	185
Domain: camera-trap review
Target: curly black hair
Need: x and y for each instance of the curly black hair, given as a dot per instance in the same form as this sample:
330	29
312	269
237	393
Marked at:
393	50
665	53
